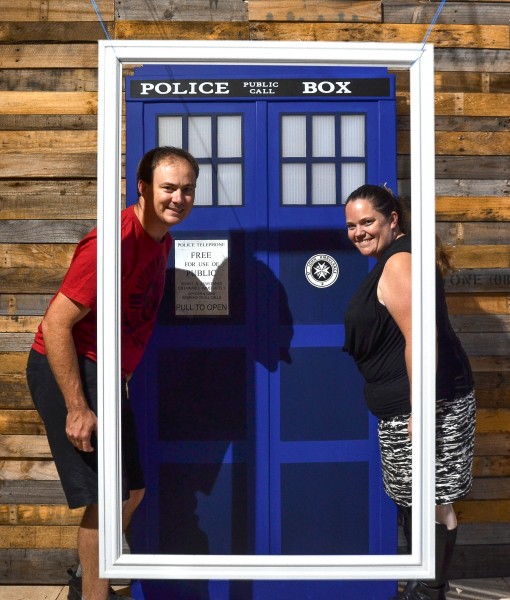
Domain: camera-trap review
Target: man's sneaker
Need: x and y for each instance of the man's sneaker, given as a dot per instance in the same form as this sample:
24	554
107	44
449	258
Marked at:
75	589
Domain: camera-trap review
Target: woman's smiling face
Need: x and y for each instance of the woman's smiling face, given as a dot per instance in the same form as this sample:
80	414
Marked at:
368	229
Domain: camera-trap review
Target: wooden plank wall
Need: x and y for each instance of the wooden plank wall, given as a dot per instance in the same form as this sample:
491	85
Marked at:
48	109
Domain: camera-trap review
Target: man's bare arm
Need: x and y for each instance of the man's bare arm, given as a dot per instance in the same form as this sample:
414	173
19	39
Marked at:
57	327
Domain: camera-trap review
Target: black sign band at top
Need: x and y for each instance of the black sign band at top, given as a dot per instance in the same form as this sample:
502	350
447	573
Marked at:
257	88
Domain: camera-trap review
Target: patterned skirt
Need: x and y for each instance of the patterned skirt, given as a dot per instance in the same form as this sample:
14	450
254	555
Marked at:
455	439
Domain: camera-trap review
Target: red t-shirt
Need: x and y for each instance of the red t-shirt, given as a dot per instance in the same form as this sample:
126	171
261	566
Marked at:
143	269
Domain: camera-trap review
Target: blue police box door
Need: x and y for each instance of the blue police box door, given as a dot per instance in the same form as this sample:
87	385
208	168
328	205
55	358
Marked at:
254	434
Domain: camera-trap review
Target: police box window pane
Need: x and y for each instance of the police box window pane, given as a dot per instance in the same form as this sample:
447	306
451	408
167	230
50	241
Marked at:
230	185
230	136
294	184
170	131
200	136
323	183
323	135
293	136
203	192
353	175
352	128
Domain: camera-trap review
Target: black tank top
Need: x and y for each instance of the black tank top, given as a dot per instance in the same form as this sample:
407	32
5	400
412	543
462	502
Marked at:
377	345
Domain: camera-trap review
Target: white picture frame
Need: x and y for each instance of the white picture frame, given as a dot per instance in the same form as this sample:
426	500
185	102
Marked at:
419	60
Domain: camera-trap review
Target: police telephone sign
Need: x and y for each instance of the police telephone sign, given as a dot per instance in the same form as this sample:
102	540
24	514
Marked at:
201	278
239	88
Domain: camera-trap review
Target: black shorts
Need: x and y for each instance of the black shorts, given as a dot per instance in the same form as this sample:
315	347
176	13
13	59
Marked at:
78	470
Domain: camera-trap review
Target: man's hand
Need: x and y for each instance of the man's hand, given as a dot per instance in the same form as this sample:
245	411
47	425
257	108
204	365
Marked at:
80	425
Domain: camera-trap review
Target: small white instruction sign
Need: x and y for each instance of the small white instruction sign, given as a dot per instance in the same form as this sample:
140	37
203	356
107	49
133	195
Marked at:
201	278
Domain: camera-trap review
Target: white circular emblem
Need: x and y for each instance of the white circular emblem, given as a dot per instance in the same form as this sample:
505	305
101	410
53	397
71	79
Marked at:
321	270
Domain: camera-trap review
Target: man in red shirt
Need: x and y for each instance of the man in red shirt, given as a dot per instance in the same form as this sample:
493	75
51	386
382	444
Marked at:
62	370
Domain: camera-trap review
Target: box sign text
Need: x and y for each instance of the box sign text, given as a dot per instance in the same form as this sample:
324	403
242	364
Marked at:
238	88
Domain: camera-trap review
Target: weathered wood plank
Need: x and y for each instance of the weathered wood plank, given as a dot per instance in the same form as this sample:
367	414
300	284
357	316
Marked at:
32	514
483	364
447	81
55	10
49	80
21	422
492	420
315	10
28	281
492	389
40	470
14	393
24	446
485	344
37	122
16	342
466	186
492	466
467	104
487	13
34	592
67	199
70	142
462	167
70	103
486	233
483	533
34	56
470	59
476	304
191	10
482	511
38	536
476	208
481	256
24	304
447	167
82	166
496	381
23	324
479	280
29	566
70	32
491	444
31	492
486	143
13	363
451	123
39	231
481	323
36	255
490	488
177	30
442	36
471	562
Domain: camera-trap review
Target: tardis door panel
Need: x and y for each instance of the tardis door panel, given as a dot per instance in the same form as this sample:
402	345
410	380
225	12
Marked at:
199	372
321	435
255	437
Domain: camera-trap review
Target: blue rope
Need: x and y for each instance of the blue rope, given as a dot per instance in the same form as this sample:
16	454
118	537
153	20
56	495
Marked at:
433	22
94	5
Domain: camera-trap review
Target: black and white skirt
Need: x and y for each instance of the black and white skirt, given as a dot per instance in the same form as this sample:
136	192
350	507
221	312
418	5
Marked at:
455	439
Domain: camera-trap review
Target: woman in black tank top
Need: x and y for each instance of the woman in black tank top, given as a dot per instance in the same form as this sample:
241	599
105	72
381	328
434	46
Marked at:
378	333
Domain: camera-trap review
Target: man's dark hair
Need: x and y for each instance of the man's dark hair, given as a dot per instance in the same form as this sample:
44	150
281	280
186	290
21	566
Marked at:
154	157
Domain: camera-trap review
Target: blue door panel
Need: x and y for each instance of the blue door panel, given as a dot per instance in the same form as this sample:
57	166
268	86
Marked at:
253	431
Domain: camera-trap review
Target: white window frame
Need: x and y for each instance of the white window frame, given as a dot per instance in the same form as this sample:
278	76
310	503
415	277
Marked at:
419	60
